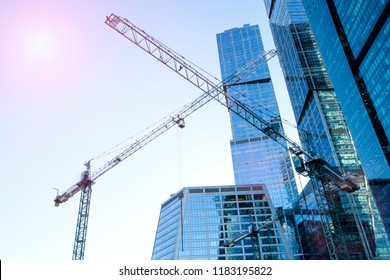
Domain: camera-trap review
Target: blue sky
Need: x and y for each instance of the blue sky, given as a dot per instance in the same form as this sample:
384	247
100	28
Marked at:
71	88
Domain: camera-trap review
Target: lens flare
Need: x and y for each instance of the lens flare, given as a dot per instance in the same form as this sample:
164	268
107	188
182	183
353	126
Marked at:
42	47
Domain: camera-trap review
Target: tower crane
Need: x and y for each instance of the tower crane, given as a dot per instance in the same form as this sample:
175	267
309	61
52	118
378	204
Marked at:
84	185
188	71
307	164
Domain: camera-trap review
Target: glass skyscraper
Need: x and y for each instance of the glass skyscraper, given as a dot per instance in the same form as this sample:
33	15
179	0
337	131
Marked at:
202	223
257	159
324	132
353	38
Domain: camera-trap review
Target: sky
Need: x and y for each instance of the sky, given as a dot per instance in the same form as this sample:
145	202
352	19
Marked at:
71	89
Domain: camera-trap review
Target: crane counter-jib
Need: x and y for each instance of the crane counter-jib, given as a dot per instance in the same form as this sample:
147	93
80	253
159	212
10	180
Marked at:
67	194
85	181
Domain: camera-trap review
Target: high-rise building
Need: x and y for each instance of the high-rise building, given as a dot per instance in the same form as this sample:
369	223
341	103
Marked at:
198	223
324	132
354	40
257	159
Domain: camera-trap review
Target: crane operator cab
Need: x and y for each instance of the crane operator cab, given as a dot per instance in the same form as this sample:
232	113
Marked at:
299	165
84	176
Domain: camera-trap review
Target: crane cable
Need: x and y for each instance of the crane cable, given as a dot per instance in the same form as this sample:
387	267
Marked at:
121	146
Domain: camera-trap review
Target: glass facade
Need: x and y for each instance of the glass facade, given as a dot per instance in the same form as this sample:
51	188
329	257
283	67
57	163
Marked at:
324	132
257	159
198	223
353	37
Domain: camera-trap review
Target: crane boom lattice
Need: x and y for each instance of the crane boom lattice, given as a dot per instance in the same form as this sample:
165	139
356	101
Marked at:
188	71
305	163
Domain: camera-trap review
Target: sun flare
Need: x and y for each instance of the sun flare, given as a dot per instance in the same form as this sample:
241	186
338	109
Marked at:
43	45
40	46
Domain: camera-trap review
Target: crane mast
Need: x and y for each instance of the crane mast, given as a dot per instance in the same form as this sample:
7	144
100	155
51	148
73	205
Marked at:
323	175
83	214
